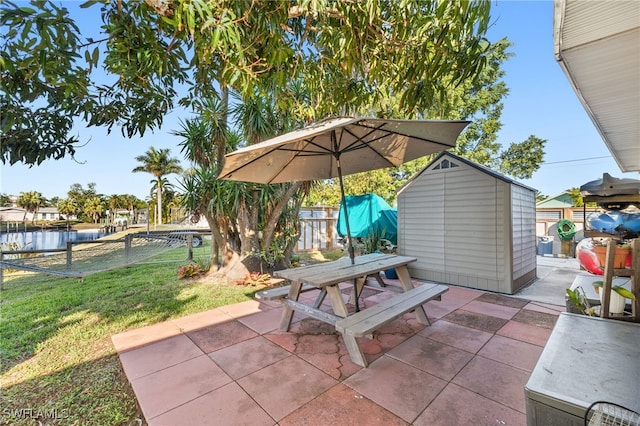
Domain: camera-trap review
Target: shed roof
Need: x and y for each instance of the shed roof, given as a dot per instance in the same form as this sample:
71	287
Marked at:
561	200
470	163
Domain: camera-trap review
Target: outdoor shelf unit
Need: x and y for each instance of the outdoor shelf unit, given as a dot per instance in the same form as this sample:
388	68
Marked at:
610	272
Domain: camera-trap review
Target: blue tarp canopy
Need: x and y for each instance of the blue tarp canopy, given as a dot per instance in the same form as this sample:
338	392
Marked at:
369	214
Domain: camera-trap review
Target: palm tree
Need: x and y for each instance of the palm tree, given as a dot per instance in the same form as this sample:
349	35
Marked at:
159	164
30	201
67	207
163	185
94	208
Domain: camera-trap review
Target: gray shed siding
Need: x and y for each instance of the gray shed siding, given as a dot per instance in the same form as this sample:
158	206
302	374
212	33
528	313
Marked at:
458	223
523	218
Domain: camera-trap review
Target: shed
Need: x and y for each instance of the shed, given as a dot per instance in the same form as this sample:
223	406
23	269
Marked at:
468	225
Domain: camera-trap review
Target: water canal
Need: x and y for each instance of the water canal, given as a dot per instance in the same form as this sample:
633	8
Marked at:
45	240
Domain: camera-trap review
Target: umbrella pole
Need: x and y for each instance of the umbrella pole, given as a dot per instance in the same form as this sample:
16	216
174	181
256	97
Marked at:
346	214
346	222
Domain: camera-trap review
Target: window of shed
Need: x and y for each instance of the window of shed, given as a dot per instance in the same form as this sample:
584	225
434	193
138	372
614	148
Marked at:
445	164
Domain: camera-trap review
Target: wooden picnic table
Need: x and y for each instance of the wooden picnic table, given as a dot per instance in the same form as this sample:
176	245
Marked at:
326	276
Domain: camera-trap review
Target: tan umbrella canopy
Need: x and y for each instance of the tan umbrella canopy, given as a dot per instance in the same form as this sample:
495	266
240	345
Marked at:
340	146
337	146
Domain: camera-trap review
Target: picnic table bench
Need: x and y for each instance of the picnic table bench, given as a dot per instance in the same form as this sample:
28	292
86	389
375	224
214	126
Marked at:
363	323
327	276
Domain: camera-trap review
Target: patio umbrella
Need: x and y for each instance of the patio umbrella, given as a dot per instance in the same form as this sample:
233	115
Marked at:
340	146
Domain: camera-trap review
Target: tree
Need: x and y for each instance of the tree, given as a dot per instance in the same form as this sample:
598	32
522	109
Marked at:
5	200
314	58
254	225
30	201
67	207
478	100
347	55
168	195
522	159
159	163
79	195
93	207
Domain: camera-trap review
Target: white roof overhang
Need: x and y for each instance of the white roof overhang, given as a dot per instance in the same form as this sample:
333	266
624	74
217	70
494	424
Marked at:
597	44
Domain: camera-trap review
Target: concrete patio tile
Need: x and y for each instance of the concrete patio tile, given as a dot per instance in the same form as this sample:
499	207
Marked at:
500	299
227	405
491	309
458	336
283	339
435	358
496	381
457	406
475	320
242	309
343	406
460	296
157	356
220	336
201	320
436	309
525	333
263	322
143	336
380	296
400	388
167	389
284	386
546	308
248	356
540	319
512	352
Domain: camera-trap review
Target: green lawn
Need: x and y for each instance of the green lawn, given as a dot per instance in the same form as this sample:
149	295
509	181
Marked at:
57	359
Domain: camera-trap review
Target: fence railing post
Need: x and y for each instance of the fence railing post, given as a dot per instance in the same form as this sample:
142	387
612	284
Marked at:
127	247
189	247
69	251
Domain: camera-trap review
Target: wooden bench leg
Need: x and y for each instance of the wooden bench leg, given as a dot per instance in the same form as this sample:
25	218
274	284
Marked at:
320	298
337	302
355	353
405	280
287	312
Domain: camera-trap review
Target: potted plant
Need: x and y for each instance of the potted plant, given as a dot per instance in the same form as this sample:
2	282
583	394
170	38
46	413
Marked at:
617	298
579	300
622	254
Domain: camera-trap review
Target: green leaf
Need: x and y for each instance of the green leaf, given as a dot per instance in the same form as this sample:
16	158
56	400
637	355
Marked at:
624	292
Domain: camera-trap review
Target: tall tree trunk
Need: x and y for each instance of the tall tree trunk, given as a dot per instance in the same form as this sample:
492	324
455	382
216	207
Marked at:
159	199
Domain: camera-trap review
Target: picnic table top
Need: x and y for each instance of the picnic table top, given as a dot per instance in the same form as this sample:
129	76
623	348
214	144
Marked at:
330	273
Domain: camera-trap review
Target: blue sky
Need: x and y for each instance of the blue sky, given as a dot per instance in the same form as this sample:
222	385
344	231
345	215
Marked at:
541	102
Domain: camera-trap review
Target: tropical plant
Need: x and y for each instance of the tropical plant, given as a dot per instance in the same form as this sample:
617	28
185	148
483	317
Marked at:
579	300
618	289
254	279
190	270
159	163
67	207
93	208
30	201
255	226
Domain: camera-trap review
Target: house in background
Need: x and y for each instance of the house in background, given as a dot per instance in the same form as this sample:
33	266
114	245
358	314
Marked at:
47	214
13	214
468	225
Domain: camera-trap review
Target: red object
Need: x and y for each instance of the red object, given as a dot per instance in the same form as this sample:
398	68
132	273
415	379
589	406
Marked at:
587	257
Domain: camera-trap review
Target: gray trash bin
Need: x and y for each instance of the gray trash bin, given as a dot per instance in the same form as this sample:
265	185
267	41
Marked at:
545	245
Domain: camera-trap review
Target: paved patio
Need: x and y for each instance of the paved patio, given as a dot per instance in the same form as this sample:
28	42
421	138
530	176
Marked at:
232	366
